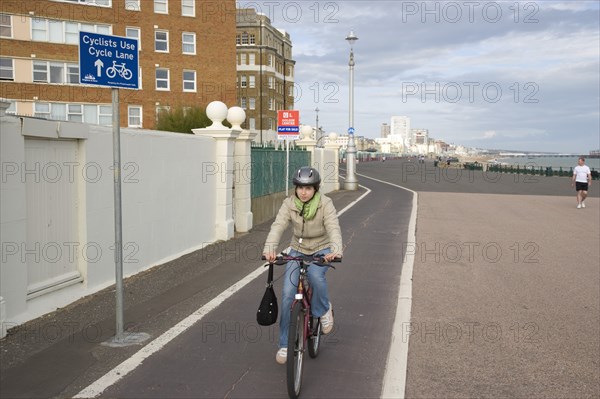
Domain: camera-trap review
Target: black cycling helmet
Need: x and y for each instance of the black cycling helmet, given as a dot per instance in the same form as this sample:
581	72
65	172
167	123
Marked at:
307	176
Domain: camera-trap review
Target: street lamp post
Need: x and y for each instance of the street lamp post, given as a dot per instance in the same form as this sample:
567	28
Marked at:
351	183
317	125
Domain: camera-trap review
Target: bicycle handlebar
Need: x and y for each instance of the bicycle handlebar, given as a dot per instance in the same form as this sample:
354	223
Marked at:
318	260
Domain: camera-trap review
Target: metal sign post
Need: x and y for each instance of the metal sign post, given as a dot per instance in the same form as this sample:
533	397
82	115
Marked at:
113	61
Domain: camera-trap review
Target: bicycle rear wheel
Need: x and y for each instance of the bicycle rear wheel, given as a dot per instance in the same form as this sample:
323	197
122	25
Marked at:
295	357
314	341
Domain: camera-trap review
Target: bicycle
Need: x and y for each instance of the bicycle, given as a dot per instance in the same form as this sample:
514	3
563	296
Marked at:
123	72
304	332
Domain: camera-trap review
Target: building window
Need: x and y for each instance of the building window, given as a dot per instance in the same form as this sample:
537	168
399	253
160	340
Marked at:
57	72
188	8
134	116
40	71
244	38
242	59
162	79
45	30
41	110
99	3
271	104
271	82
243	102
134	33
252	103
133	5
252	38
160	109
244	82
252	124
161	6
252	59
105	115
39	30
252	81
75	112
189	80
73	73
7	71
188	43
5	25
161	41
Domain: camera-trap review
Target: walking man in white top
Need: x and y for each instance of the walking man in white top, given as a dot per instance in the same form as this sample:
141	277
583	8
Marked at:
582	179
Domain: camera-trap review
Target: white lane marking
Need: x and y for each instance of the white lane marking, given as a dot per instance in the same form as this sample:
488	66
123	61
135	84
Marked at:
394	380
113	376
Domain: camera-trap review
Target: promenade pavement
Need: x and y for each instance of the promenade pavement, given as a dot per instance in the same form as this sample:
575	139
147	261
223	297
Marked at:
506	290
506	285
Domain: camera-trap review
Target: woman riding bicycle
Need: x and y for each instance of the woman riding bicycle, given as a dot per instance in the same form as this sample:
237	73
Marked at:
316	231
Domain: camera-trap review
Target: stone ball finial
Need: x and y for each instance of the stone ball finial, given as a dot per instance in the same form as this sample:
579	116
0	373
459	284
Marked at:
306	132
216	112
236	116
332	137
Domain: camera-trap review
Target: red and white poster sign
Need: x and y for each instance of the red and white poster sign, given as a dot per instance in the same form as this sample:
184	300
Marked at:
288	124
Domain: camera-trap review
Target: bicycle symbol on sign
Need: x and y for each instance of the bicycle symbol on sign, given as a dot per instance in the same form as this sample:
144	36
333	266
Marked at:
123	72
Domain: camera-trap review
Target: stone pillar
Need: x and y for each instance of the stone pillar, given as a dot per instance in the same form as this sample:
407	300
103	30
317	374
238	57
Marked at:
225	143
335	147
242	196
307	141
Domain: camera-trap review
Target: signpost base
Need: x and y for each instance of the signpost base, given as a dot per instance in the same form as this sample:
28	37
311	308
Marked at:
127	340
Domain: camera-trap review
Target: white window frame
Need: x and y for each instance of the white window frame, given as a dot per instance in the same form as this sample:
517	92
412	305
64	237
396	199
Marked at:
191	35
95	3
243	102
161	108
252	81
156	79
252	59
245	39
188	81
130	116
38	112
271	104
187	5
133	5
46	71
138	37
243	82
39	25
252	103
106	116
156	40
3	26
75	116
10	69
161	6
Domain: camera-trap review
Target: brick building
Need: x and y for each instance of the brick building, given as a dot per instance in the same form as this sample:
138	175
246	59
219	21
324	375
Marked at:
187	57
265	72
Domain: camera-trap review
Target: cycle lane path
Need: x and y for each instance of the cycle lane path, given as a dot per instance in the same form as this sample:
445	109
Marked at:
226	354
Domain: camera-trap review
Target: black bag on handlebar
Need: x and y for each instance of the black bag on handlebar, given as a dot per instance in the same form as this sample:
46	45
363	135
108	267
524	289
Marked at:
267	310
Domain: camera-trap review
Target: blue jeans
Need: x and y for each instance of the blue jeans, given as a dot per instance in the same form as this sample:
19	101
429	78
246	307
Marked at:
320	296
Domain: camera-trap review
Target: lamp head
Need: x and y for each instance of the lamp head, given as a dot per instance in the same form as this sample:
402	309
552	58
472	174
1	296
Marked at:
351	38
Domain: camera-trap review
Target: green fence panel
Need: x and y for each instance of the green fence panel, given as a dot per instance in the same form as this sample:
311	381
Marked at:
268	169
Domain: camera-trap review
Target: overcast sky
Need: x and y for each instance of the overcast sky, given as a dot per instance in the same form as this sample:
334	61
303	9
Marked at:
506	75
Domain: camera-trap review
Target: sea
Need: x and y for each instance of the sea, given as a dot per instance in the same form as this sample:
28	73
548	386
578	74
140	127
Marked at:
545	161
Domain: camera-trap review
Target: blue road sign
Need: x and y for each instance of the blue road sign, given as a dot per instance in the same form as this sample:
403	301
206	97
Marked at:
350	130
106	60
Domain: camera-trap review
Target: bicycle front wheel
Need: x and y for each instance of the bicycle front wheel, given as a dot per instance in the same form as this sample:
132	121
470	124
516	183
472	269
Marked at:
295	356
314	341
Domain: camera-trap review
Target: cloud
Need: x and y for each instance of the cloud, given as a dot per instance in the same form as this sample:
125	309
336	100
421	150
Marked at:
533	67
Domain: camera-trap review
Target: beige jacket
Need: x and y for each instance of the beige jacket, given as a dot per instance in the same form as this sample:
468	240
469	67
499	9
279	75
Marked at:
323	231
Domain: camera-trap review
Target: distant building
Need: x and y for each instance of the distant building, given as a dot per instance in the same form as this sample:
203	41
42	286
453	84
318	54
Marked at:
265	73
400	127
385	130
186	58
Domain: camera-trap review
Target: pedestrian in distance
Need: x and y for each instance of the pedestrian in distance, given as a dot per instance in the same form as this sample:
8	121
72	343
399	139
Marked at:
582	180
315	232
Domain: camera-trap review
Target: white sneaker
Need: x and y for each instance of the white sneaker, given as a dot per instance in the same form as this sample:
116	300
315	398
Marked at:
578	206
327	321
582	204
281	356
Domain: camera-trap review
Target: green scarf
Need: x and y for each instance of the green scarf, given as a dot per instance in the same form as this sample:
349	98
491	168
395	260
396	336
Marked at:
310	207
